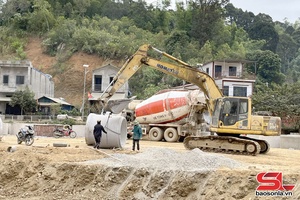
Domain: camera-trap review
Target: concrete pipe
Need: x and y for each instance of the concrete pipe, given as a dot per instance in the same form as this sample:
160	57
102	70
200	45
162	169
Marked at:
114	125
11	149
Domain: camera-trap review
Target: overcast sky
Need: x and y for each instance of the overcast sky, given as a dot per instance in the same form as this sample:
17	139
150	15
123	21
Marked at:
277	9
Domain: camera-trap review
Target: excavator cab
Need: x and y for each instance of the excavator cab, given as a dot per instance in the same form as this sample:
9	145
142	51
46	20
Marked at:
230	110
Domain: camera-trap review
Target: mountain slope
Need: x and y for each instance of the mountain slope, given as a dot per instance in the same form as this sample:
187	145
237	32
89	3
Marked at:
69	83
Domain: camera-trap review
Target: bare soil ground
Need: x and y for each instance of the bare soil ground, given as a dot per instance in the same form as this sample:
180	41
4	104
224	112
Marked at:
42	171
68	76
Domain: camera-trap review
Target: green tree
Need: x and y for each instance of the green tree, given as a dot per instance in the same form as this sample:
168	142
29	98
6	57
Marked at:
205	52
183	18
80	7
267	66
286	49
239	17
24	99
178	40
294	70
206	18
41	19
14	13
55	109
281	100
262	30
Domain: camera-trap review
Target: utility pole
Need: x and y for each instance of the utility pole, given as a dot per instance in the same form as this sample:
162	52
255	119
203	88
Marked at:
83	96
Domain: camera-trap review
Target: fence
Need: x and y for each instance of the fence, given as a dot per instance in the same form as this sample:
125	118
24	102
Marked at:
36	118
30	118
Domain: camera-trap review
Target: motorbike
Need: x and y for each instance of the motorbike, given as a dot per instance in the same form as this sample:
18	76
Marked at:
65	131
26	135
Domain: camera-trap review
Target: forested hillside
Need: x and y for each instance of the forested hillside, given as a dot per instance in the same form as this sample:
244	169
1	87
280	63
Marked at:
111	31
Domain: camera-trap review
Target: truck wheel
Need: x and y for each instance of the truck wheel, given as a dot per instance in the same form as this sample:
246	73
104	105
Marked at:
156	134
171	135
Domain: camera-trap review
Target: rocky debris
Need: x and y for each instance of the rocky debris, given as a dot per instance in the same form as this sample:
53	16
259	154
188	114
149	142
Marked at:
169	160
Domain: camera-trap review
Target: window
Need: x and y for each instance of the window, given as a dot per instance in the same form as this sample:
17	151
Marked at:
243	107
232	71
240	91
5	79
110	80
98	82
226	90
207	70
218	70
20	80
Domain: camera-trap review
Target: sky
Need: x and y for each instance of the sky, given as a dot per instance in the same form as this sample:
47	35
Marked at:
277	9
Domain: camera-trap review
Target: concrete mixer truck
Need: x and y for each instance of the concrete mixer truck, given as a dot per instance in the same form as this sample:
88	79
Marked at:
231	117
172	115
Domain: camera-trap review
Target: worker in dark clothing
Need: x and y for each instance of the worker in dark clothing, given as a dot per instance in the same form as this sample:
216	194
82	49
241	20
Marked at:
98	128
137	135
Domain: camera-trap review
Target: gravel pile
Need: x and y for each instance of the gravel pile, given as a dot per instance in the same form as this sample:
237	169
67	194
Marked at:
168	159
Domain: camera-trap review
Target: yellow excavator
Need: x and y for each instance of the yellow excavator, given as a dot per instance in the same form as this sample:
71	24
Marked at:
231	117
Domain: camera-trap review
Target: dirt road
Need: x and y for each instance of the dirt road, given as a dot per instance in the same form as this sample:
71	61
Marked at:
160	170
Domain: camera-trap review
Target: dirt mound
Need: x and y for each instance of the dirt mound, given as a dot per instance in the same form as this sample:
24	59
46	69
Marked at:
160	171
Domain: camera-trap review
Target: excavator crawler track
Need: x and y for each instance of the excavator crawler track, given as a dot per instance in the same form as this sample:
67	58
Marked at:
224	144
264	145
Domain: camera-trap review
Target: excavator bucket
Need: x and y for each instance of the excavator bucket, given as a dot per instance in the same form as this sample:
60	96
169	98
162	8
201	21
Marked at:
117	106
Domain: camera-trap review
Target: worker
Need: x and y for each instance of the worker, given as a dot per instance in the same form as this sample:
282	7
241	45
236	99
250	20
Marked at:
137	135
98	128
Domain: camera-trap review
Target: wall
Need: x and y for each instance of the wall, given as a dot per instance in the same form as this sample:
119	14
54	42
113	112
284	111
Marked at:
235	83
107	72
225	68
41	84
12	72
40	129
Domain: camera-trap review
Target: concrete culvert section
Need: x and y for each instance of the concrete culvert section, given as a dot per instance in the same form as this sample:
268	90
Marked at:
114	125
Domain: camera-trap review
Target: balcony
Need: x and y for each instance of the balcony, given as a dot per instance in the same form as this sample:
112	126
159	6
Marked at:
227	74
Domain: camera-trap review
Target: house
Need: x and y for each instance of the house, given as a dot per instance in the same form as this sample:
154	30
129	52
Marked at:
101	83
228	75
102	78
17	75
45	103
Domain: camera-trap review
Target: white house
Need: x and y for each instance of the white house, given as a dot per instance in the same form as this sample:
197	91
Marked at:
102	78
228	75
17	75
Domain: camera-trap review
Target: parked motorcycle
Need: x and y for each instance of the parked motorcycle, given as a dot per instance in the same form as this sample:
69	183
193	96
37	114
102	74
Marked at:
26	135
65	131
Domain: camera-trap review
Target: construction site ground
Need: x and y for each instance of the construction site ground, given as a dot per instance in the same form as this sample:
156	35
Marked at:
161	170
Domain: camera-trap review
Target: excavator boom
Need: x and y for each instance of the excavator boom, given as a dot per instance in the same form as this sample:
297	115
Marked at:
230	116
178	69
